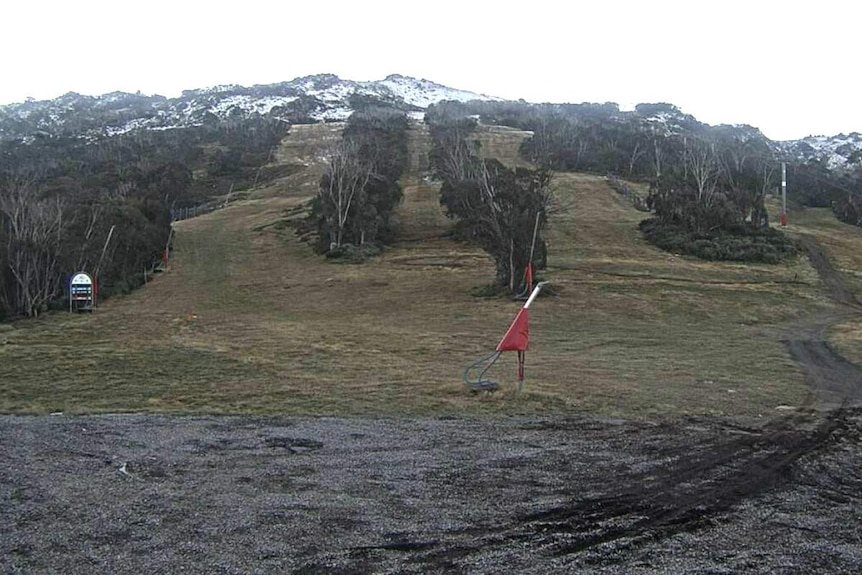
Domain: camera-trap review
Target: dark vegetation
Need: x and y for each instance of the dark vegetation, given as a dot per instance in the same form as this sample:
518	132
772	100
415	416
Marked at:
360	189
503	210
765	245
65	183
61	197
707	183
823	187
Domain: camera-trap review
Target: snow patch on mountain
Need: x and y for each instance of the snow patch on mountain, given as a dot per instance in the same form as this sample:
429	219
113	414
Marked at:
422	93
323	98
843	151
338	114
249	104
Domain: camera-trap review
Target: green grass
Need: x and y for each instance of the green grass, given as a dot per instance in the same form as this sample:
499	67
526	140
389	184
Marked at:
248	320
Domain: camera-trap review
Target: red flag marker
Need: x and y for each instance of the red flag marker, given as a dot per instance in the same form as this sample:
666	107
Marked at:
517	338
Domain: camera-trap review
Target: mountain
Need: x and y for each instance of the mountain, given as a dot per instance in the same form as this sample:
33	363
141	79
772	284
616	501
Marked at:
317	98
326	97
838	153
841	152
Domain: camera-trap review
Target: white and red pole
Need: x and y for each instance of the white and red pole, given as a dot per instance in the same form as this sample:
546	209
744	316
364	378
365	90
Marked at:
534	295
517	337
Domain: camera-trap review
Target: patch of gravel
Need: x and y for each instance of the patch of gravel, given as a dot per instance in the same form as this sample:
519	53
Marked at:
150	494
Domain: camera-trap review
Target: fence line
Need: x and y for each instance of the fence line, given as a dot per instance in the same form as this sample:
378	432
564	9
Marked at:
624	190
179	214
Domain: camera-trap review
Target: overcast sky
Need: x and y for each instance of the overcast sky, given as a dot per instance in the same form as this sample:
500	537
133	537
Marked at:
789	68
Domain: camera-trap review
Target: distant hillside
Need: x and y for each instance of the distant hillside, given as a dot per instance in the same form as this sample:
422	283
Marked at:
304	100
326	97
838	152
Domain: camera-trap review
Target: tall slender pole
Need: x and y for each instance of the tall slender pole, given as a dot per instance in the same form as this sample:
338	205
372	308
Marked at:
528	273
783	194
99	266
522	354
166	255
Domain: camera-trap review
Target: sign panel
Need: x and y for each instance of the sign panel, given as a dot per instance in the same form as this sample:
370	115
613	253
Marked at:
81	292
81	278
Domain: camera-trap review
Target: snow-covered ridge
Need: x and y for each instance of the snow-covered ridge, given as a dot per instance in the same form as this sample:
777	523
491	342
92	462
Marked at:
843	151
323	97
326	97
422	93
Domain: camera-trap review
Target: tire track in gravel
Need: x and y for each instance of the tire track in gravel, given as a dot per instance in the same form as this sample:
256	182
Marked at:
683	493
692	487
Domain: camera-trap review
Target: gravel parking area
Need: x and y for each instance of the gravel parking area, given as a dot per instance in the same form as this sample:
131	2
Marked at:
150	494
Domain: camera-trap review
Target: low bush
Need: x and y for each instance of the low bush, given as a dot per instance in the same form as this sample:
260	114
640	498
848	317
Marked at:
741	244
352	254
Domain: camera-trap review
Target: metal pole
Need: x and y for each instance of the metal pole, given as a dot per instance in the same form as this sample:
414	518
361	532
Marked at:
522	359
99	266
783	194
534	295
104	249
167	254
522	355
533	247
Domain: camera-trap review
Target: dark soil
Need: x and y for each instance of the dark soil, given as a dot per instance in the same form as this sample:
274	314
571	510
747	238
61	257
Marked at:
147	494
832	280
838	381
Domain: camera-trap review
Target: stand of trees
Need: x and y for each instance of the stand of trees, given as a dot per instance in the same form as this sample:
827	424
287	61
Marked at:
61	197
502	210
707	184
360	190
709	198
816	185
713	183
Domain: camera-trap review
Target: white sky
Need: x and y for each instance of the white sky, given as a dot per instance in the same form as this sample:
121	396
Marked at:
787	67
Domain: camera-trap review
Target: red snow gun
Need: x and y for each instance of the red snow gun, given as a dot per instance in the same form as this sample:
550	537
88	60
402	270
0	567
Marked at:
516	338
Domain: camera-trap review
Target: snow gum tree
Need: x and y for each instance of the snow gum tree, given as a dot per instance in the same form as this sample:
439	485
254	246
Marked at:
503	210
359	189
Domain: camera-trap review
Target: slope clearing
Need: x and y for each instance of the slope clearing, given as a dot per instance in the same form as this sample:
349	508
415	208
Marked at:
248	320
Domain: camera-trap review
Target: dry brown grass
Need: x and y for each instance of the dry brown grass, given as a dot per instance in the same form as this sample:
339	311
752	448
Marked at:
248	319
502	143
843	244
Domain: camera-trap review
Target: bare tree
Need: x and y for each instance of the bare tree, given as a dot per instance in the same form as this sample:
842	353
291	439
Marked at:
503	210
637	153
767	172
34	230
456	157
347	175
702	163
658	157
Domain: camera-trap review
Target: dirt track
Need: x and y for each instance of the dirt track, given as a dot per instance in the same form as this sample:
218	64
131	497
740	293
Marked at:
834	381
144	494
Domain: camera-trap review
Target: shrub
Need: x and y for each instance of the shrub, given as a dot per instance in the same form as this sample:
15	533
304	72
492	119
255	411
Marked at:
353	254
741	244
